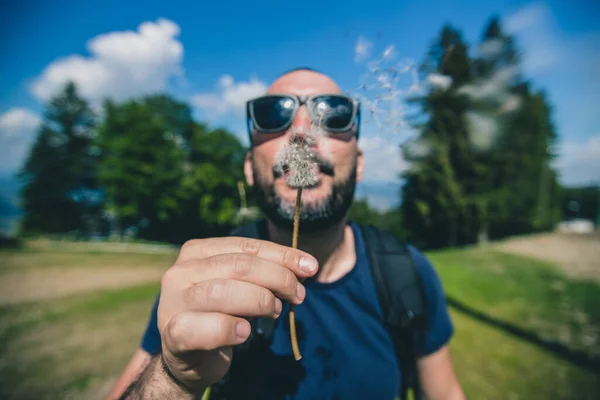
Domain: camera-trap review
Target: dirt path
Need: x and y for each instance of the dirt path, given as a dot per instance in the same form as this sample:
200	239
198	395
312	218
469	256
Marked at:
577	255
36	284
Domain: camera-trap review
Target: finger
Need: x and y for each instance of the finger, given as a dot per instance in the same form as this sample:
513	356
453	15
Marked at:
298	261
232	297
190	331
246	268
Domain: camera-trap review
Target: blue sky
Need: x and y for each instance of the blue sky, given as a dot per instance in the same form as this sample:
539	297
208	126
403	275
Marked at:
215	56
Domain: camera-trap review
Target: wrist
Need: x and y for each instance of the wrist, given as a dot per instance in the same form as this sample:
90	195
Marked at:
177	383
172	378
158	382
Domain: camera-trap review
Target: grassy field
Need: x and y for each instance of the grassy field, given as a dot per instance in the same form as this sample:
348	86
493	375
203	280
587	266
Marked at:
523	329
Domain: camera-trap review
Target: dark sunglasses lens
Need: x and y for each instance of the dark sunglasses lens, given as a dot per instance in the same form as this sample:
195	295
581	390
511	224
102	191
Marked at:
335	112
271	113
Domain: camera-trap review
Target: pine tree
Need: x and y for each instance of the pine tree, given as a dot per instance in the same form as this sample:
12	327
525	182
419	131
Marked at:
521	185
60	191
439	204
493	98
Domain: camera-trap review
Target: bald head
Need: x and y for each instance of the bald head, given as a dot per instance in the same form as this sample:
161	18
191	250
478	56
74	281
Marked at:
303	82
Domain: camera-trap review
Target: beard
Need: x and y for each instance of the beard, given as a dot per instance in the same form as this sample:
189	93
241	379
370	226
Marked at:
314	216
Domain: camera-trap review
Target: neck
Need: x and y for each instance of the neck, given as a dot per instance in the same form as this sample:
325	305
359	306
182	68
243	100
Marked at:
333	247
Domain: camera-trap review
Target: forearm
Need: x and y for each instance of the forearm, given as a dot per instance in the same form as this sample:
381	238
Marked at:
155	383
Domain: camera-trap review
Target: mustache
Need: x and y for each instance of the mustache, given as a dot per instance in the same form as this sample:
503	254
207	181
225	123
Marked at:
325	167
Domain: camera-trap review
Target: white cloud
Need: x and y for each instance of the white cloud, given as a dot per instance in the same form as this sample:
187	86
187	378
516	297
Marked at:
566	65
230	96
362	49
532	24
539	35
17	131
526	17
383	159
121	64
579	162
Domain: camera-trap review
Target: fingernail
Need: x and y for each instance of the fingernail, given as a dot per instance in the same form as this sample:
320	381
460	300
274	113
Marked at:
278	306
242	329
308	264
300	292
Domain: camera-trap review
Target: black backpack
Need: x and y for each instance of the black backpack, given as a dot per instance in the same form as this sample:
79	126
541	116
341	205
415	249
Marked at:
399	290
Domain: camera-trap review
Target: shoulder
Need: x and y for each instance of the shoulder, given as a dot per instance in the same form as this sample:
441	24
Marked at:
383	240
440	328
428	274
424	266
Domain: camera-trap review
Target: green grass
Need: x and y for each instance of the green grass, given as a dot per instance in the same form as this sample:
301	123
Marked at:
73	347
63	347
529	294
496	366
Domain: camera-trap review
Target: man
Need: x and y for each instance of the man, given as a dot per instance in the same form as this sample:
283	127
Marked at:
216	284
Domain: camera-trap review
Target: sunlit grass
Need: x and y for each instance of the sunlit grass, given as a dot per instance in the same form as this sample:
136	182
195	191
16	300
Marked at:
530	294
76	346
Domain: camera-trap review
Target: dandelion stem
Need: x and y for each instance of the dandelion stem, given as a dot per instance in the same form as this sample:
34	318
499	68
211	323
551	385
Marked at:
297	218
295	348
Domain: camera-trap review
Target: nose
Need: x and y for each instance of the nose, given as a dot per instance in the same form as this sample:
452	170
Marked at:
302	129
302	120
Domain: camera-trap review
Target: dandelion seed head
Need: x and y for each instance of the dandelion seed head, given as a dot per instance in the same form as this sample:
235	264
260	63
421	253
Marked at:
296	159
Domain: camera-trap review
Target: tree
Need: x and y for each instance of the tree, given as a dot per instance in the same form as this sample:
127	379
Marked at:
493	98
481	165
391	220
60	189
362	213
213	169
165	176
141	165
438	204
521	185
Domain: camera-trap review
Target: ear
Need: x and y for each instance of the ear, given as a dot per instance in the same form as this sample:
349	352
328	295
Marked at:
248	169
360	164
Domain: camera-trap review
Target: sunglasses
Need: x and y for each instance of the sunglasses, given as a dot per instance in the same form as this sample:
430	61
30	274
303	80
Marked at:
274	113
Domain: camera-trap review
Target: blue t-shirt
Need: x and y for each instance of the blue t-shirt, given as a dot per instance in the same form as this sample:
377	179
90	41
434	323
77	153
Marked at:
346	350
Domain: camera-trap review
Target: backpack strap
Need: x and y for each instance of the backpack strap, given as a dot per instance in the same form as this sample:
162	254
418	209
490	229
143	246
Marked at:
402	299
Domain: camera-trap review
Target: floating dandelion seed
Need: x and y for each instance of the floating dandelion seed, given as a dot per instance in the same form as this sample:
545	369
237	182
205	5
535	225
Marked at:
383	88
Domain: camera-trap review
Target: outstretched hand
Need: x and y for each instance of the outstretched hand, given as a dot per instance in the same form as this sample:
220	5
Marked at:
205	296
